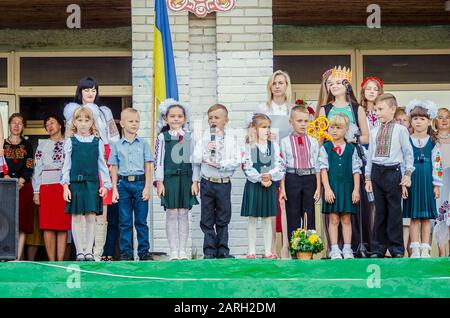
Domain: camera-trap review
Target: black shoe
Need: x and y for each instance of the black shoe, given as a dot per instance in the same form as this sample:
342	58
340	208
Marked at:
375	255
146	257
398	255
125	257
225	256
208	256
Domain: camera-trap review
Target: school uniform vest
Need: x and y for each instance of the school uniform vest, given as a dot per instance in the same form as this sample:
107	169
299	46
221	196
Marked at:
84	179
340	176
177	173
259	201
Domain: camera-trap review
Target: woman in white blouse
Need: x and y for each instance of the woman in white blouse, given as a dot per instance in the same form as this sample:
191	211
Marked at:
48	193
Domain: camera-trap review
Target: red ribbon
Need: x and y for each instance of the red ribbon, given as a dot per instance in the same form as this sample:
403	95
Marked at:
338	150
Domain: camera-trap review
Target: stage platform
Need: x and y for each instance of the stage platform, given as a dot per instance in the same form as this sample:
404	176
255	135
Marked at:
224	278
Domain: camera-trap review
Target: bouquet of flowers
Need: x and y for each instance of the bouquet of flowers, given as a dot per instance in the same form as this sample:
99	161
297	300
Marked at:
305	241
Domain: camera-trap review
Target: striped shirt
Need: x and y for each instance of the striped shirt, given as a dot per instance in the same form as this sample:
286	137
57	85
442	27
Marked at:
300	151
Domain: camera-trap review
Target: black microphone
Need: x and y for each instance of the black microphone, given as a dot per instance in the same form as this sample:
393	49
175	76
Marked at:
212	130
347	85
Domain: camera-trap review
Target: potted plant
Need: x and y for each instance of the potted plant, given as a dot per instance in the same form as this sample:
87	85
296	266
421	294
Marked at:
304	243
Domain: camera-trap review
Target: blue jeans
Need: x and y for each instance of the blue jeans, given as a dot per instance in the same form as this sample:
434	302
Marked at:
112	232
130	200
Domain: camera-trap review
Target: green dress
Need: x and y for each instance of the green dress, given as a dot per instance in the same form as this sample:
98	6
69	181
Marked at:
84	179
259	201
177	173
340	176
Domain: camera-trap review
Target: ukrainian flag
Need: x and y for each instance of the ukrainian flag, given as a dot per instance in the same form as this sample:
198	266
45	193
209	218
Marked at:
165	80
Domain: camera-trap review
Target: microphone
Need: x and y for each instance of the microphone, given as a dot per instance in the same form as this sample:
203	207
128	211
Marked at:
212	131
347	85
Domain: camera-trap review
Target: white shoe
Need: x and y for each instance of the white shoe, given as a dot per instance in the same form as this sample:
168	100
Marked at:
173	256
425	250
183	255
348	254
415	252
336	254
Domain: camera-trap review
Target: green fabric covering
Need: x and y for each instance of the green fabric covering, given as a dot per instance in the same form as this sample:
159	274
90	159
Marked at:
230	278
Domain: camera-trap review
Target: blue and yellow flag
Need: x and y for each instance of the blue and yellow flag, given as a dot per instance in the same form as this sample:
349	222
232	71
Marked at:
165	80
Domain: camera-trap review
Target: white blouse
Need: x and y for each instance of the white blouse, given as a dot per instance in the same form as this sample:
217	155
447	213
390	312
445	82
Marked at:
49	161
278	167
102	167
160	155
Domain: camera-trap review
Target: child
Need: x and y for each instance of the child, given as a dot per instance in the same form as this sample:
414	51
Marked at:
344	101
340	172
420	205
301	185
217	155
371	87
389	149
262	165
441	229
403	119
173	174
84	160
131	161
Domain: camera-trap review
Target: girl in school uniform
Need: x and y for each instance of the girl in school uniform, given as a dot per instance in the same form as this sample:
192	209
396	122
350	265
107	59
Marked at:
262	165
426	179
340	174
173	171
84	161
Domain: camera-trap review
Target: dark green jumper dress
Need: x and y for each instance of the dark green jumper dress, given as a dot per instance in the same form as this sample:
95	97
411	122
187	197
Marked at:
177	173
259	201
84	179
340	176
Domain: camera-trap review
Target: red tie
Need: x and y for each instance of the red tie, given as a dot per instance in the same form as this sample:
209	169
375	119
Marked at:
338	150
300	140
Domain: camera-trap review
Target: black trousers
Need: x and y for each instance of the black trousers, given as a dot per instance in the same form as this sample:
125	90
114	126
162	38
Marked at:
300	199
215	217
388	227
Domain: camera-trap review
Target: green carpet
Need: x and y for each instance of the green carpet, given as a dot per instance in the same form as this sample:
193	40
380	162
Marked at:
229	278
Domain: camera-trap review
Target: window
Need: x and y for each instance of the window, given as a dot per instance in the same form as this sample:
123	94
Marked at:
3	72
67	71
409	69
308	69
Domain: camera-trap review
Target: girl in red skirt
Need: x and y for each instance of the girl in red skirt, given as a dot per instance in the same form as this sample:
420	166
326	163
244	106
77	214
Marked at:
48	192
19	158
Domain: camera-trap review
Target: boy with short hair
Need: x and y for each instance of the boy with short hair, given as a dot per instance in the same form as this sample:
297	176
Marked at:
389	151
217	156
131	162
301	186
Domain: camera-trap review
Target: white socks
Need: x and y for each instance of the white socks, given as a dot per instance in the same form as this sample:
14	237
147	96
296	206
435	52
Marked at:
252	221
415	249
267	232
90	231
267	223
77	232
177	230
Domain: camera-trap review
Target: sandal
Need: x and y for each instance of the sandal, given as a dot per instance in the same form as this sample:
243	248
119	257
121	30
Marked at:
105	258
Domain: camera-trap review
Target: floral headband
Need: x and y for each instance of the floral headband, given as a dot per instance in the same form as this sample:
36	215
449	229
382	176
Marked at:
301	102
430	107
327	74
372	78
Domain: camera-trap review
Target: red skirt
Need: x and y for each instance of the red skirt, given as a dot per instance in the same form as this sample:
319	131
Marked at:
108	198
52	214
26	209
